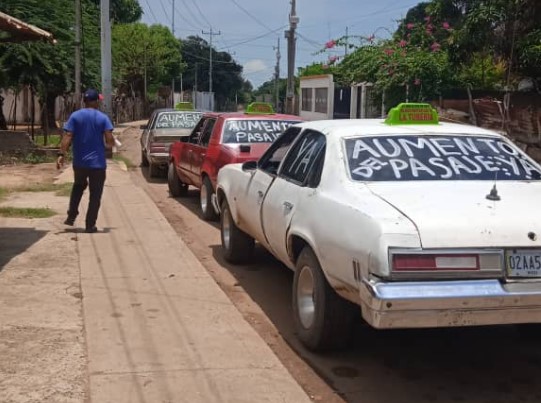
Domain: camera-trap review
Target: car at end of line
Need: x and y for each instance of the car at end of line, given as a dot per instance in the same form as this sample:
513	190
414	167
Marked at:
164	127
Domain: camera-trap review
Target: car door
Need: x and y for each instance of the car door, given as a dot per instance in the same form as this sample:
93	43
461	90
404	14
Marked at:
200	151
186	152
297	181
145	134
249	203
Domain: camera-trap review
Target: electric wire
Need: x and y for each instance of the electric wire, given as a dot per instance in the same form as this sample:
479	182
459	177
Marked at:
253	17
151	12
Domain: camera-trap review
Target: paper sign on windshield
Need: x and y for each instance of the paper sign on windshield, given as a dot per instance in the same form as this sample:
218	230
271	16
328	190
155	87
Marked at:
254	130
392	158
177	120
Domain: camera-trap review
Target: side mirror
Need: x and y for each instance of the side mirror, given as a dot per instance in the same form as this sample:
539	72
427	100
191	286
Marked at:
143	127
249	166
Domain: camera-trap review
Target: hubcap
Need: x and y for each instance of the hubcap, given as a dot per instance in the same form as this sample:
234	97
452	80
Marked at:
226	229
305	297
203	196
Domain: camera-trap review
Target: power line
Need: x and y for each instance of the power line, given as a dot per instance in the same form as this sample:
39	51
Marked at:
165	13
151	12
258	37
202	14
192	14
253	17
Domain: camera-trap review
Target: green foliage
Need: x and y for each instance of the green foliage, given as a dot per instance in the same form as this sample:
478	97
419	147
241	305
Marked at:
315	69
226	73
124	11
138	48
26	212
483	72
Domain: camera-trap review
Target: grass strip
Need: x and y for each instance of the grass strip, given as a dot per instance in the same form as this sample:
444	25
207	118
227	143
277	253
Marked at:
26	212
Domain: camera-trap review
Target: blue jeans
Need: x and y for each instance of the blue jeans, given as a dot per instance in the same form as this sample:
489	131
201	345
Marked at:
94	179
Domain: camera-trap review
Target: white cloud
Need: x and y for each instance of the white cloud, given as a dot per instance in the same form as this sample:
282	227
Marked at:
255	66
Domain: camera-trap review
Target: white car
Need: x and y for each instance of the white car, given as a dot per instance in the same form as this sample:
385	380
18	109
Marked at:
419	223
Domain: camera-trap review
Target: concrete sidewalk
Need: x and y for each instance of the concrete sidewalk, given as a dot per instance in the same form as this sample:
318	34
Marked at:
158	328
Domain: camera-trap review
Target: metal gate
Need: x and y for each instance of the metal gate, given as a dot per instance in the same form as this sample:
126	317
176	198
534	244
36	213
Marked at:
342	103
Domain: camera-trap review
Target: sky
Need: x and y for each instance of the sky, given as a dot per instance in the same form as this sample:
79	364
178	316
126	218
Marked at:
249	30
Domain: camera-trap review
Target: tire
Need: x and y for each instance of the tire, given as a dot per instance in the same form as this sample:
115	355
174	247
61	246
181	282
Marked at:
237	245
153	170
144	159
176	186
323	319
529	331
205	201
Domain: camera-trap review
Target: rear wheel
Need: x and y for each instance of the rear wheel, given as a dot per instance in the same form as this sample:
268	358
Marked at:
144	159
205	198
323	319
237	245
176	186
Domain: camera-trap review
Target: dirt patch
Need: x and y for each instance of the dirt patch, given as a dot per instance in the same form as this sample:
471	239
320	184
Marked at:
19	175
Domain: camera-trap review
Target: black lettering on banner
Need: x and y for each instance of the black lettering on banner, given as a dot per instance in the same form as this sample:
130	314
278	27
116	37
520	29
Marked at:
238	131
437	157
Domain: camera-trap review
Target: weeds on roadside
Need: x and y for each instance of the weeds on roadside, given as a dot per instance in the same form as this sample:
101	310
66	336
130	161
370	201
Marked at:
26	212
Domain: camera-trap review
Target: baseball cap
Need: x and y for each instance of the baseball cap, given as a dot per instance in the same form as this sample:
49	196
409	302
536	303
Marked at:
92	95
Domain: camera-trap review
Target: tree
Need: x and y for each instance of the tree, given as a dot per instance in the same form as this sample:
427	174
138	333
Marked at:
227	74
46	68
140	50
124	11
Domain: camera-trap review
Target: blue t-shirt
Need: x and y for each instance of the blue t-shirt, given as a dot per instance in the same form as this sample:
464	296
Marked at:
88	126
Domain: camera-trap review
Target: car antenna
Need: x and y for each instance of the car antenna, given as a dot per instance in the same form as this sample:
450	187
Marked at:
493	195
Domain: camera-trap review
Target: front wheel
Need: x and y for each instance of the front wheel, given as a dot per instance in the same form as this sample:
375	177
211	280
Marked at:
323	319
205	197
176	186
237	245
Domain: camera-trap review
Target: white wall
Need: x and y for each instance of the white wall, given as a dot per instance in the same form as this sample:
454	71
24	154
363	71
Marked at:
313	82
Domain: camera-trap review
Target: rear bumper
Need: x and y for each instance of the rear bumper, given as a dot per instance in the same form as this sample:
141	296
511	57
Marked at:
449	303
159	158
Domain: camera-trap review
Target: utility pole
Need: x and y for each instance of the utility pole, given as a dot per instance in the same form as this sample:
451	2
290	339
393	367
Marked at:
347	41
77	54
212	34
291	42
277	77
106	82
173	31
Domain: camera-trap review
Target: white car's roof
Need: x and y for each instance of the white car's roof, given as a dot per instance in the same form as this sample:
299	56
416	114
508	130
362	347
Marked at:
360	127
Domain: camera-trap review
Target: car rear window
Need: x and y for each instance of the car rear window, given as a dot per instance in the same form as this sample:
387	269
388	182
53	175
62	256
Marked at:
241	131
177	120
452	157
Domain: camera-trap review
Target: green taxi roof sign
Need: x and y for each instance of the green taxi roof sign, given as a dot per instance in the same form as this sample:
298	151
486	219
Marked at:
260	108
184	106
412	114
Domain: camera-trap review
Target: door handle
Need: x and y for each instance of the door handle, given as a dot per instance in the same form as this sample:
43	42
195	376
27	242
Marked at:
288	206
260	194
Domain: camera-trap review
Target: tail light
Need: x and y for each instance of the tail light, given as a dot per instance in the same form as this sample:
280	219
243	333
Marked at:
435	262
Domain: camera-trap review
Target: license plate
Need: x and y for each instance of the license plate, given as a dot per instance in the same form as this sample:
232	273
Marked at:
523	263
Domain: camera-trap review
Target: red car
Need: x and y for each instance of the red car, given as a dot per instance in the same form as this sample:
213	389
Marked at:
219	139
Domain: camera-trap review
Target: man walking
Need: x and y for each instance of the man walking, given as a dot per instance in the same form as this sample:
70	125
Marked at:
91	132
